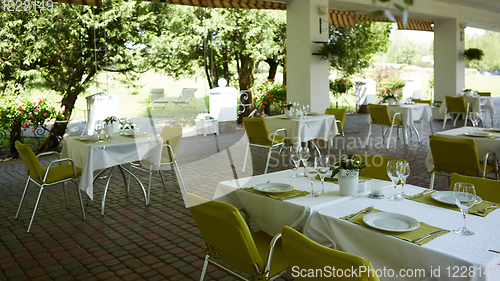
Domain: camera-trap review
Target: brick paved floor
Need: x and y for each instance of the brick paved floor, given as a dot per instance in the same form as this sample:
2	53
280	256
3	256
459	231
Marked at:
135	242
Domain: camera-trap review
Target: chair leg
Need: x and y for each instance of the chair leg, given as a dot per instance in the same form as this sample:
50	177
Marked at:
389	139
36	206
432	131
22	197
345	146
176	168
80	198
162	179
65	195
246	157
268	159
204	270
433	177
455	121
105	191
445	118
149	182
369	133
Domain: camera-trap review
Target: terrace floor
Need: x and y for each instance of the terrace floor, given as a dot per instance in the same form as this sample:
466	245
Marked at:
157	242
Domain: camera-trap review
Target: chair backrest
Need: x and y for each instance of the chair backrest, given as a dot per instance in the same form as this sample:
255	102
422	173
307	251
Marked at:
256	130
485	188
30	161
224	230
455	155
339	115
377	166
304	253
455	104
156	93
187	94
379	114
172	136
484	94
429	102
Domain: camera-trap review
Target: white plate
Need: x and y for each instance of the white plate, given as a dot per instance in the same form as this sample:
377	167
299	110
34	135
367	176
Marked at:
478	134
494	129
391	222
132	133
89	138
447	197
273	187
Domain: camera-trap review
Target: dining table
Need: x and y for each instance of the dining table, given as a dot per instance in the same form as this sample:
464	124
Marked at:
486	139
476	104
385	237
92	154
305	128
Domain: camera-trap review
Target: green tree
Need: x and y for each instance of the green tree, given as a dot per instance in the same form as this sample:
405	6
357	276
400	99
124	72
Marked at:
489	42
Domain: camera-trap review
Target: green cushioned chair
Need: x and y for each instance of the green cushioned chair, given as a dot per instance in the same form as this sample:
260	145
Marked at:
456	105
258	135
452	155
485	188
377	166
44	177
303	253
379	115
228	238
339	119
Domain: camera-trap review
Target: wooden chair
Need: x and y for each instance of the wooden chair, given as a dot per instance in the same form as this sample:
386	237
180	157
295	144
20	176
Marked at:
157	96
185	98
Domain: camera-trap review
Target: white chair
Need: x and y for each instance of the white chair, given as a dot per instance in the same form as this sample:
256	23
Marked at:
157	96
185	98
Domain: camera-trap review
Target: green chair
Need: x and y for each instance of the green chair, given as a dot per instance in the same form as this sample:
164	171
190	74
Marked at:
259	136
456	105
303	253
485	188
460	156
45	177
379	115
228	238
377	166
339	119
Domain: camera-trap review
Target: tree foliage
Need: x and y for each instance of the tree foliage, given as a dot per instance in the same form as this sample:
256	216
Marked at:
489	43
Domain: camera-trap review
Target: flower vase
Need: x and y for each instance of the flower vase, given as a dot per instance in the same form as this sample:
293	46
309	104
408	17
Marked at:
391	101
108	130
348	182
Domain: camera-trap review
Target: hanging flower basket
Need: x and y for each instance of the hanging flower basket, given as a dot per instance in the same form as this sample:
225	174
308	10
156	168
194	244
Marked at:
473	54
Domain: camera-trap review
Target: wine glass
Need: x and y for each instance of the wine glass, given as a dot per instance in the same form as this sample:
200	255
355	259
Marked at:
403	170
323	166
465	197
123	123
304	156
311	173
98	130
295	156
392	172
474	118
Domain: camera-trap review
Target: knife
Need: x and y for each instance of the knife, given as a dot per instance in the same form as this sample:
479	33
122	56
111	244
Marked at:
424	193
294	195
428	235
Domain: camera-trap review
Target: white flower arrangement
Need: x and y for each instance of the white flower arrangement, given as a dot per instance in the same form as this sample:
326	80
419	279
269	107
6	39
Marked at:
203	116
110	120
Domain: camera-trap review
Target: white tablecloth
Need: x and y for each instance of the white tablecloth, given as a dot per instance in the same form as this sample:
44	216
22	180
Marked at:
304	129
269	214
484	145
449	253
94	156
411	112
476	104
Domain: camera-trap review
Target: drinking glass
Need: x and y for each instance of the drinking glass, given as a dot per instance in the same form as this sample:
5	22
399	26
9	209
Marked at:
98	130
323	166
392	172
465	197
295	156
311	173
474	118
304	156
403	170
123	123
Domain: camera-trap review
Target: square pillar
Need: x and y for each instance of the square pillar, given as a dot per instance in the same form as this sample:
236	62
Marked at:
449	63
307	74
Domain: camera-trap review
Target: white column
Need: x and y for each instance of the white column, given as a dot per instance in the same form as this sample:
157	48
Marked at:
307	74
449	63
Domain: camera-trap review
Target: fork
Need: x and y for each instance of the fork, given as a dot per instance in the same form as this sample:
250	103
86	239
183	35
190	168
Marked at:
366	211
484	210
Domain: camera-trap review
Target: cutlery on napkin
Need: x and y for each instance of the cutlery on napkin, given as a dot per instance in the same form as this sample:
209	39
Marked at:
366	211
427	235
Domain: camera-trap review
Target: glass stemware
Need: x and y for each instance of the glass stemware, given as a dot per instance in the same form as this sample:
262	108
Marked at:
311	173
403	170
295	156
323	166
475	117
98	130
392	172
465	197
304	156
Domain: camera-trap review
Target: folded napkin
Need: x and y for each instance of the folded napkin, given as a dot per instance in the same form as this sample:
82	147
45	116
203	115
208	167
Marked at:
427	199
409	236
279	196
87	141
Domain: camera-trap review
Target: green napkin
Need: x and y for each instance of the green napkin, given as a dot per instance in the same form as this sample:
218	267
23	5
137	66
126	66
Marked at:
86	141
279	196
427	199
409	236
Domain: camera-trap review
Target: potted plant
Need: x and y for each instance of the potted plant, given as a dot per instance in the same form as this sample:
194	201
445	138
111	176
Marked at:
391	89
108	126
473	54
270	95
347	170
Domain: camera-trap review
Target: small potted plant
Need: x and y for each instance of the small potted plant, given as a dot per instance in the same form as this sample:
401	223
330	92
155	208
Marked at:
108	126
347	171
473	54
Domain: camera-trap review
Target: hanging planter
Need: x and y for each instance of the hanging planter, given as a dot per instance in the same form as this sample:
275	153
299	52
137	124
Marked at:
473	54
